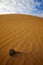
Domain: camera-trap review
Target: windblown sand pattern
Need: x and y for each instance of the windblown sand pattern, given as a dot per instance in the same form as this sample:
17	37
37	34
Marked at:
23	33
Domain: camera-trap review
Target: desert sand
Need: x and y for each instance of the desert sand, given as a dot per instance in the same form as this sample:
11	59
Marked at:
23	33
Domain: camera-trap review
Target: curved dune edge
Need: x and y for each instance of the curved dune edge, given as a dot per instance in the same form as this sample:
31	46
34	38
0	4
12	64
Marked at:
24	34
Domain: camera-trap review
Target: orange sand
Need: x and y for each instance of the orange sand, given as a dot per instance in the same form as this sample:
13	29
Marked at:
23	33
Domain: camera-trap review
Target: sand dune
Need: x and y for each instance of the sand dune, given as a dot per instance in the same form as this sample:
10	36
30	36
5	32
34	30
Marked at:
23	33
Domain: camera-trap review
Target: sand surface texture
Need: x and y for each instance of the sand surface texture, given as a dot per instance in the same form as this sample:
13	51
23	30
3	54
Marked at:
24	34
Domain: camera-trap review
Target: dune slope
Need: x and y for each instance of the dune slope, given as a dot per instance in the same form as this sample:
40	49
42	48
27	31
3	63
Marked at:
23	33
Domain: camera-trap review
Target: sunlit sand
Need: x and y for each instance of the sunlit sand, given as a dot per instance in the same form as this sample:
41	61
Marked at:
24	34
